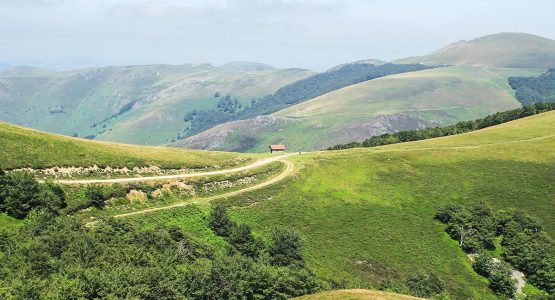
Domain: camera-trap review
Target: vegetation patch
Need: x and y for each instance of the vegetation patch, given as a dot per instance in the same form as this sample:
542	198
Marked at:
458	128
530	90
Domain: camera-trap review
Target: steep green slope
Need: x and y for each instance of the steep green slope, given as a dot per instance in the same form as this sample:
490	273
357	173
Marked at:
367	215
399	102
135	104
23	147
511	50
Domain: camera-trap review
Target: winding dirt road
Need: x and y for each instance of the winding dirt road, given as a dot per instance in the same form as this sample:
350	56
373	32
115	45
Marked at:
288	170
254	165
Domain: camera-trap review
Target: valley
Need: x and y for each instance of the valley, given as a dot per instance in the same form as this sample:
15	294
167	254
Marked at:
155	181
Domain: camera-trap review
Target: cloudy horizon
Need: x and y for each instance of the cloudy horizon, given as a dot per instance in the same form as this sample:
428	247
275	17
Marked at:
283	33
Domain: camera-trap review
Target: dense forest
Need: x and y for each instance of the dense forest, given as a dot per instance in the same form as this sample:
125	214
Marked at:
458	128
299	91
524	245
530	90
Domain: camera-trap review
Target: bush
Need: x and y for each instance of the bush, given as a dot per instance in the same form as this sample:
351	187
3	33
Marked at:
97	195
20	193
483	264
242	239
501	281
286	248
220	221
425	285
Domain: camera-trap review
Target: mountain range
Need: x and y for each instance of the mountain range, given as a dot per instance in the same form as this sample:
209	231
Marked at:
243	106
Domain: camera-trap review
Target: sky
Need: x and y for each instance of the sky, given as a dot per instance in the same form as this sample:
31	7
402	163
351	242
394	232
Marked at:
312	34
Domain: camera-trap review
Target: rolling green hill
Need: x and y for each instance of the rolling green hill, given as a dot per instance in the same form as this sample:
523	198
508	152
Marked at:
133	104
398	102
23	147
509	50
367	215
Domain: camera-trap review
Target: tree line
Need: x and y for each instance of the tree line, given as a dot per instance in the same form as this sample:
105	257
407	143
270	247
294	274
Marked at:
297	92
458	128
525	245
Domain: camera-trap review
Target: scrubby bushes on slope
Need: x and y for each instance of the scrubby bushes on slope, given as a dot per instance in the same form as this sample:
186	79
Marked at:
530	90
458	128
525	245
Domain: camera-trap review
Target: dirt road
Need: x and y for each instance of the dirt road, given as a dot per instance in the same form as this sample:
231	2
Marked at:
254	165
288	170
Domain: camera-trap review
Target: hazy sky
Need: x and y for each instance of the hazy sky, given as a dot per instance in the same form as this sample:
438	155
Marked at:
314	34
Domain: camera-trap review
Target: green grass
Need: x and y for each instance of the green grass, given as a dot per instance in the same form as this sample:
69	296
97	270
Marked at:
355	295
366	215
446	95
23	147
8	223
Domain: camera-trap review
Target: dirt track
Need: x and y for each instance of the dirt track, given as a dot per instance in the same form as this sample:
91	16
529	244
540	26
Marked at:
288	170
254	165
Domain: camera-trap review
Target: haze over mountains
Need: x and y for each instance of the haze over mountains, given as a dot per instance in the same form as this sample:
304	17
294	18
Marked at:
148	104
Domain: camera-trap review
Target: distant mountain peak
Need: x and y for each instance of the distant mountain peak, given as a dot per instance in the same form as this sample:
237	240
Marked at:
245	66
506	49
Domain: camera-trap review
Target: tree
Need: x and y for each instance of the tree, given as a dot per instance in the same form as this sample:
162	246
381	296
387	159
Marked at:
220	221
286	248
19	194
96	195
483	264
501	281
242	239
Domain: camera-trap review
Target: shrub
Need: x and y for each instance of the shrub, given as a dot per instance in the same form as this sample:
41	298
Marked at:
220	221
20	193
242	239
286	248
501	281
426	285
97	195
483	264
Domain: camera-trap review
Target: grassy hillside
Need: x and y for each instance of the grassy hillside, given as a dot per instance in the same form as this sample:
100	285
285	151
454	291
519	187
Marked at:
405	101
511	50
23	147
134	104
356	295
367	215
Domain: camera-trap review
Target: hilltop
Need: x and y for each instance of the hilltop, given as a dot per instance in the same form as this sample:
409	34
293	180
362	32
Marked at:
509	50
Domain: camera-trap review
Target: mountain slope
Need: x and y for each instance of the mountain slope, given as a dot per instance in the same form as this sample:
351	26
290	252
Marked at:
367	215
398	102
511	50
23	147
135	104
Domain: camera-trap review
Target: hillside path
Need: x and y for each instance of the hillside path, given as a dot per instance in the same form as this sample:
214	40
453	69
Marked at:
256	164
288	170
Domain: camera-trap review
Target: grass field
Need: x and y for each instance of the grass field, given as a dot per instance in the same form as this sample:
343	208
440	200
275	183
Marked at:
399	102
356	295
366	215
23	147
